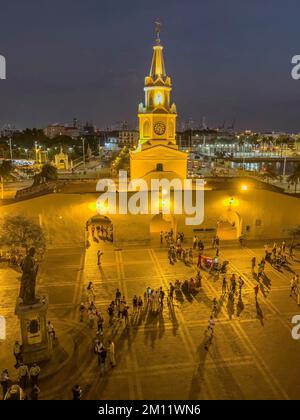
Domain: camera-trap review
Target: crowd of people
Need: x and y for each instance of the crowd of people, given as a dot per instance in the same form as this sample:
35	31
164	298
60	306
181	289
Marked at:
103	232
26	386
123	314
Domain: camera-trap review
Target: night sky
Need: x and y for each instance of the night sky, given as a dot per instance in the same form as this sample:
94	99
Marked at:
227	58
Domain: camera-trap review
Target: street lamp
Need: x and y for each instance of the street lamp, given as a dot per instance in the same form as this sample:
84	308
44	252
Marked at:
10	148
83	152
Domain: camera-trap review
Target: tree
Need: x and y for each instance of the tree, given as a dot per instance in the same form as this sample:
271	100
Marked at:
294	178
5	170
49	172
18	231
269	173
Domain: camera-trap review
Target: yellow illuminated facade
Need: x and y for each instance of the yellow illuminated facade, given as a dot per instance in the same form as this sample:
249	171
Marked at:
157	149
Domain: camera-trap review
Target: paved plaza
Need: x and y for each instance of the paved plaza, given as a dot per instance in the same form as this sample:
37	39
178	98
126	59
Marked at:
162	356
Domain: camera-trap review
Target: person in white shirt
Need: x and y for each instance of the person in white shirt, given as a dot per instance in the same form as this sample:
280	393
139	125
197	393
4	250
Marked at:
23	376
51	331
34	374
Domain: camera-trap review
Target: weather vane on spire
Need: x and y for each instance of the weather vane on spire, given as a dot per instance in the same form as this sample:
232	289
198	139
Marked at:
158	26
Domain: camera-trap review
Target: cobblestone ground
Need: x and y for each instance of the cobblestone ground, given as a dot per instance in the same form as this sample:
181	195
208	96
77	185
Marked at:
162	356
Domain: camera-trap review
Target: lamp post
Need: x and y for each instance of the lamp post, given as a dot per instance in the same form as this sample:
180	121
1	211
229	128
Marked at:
83	152
10	148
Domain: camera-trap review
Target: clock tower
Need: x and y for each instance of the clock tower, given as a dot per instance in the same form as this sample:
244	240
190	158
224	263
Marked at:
157	148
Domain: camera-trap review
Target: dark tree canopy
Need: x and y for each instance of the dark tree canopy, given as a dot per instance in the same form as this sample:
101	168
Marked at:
18	231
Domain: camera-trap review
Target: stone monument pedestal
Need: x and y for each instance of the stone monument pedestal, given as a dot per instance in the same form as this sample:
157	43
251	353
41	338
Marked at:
35	340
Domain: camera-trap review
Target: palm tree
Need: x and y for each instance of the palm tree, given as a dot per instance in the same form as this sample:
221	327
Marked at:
294	178
269	174
5	170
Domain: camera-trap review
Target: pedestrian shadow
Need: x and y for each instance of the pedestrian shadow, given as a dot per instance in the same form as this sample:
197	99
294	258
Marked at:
187	294
95	239
240	306
179	296
230	306
203	298
263	290
289	269
259	313
266	281
173	318
225	375
197	382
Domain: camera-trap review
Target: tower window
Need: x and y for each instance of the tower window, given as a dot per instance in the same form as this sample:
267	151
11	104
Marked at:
159	167
159	98
146	129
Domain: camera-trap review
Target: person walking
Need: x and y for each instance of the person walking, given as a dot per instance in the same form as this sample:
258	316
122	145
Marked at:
293	286
51	331
215	308
23	375
199	264
77	392
5	382
111	349
118	297
195	242
100	322
224	286
18	353
90	293
211	325
161	237
97	349
125	315
34	373
81	311
134	303
99	255
111	311
34	395
91	316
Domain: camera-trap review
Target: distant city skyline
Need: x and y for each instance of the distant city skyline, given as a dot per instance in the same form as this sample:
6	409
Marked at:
88	60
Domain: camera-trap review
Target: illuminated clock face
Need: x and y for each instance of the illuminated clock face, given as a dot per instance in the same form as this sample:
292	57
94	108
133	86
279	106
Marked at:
159	128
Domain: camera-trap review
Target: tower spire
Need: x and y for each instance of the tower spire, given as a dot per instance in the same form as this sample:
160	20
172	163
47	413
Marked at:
158	65
158	26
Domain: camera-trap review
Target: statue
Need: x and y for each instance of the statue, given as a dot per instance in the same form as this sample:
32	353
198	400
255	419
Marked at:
158	26
28	279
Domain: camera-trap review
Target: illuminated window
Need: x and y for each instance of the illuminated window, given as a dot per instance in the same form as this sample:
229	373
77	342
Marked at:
159	98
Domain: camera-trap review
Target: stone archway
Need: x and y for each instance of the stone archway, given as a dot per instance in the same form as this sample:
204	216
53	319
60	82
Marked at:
229	225
99	228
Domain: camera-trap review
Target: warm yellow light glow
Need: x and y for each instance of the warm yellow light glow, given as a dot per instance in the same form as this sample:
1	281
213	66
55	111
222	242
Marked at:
231	202
244	187
164	192
158	98
92	206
